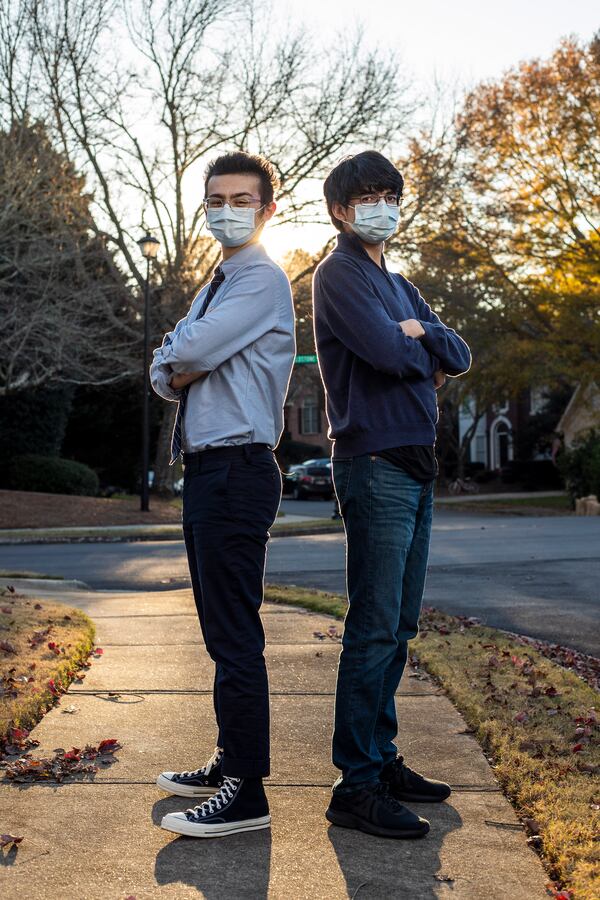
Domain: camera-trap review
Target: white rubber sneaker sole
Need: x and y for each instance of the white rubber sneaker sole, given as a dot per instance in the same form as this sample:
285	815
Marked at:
184	790
178	823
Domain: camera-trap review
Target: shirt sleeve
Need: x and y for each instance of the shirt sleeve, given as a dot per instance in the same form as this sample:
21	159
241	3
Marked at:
453	353
161	371
250	309
358	319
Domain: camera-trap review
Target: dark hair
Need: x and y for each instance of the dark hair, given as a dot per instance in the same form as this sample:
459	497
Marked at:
240	163
368	171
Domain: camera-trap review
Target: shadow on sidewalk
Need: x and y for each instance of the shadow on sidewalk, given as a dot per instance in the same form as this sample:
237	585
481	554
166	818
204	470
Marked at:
382	868
232	867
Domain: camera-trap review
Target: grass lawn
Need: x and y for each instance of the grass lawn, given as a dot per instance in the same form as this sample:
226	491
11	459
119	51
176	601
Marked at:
8	573
42	644
528	505
537	720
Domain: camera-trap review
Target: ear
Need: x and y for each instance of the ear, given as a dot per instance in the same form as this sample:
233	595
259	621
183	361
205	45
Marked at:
340	212
269	211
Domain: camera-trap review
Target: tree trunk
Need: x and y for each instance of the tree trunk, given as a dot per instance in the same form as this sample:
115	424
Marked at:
164	474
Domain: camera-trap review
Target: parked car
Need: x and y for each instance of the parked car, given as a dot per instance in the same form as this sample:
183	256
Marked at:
311	479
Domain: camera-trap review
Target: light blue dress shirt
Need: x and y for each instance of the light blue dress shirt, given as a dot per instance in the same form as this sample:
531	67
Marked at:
245	341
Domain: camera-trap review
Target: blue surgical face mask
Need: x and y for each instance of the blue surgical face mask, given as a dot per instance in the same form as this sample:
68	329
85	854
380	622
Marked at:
232	226
374	224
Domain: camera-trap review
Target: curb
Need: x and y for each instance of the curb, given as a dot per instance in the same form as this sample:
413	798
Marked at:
98	539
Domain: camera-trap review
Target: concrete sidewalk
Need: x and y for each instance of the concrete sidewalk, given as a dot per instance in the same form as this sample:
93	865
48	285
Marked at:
101	838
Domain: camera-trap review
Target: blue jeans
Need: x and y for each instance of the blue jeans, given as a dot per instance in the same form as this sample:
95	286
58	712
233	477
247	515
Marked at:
387	516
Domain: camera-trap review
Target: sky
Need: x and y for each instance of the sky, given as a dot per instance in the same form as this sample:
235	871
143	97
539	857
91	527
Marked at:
458	43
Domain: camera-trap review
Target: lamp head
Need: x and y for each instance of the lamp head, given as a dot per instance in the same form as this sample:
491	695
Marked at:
149	246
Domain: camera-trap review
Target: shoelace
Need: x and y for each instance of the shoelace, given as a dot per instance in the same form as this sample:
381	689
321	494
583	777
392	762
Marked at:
204	770
387	798
220	799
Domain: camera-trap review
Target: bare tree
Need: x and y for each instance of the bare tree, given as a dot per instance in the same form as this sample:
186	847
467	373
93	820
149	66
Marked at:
65	313
142	94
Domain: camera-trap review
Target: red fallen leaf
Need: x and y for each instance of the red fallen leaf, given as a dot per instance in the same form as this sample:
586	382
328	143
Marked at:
54	690
108	746
443	630
37	606
6	839
7	609
7	647
72	754
18	734
98	651
551	691
521	717
577	748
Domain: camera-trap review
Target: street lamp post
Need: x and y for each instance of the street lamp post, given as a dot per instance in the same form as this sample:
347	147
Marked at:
149	247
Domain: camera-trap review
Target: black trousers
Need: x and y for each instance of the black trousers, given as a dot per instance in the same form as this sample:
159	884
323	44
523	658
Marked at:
230	500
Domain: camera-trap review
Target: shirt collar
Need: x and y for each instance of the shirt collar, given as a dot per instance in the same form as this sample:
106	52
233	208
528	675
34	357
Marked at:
249	254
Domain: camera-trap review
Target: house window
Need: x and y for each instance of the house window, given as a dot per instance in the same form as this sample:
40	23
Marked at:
480	454
310	418
537	400
501	440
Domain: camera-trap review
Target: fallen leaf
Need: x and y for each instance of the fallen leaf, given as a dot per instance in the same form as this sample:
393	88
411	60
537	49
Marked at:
6	839
108	746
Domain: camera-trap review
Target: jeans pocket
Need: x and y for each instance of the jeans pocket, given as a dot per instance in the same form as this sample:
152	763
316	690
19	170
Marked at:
341	471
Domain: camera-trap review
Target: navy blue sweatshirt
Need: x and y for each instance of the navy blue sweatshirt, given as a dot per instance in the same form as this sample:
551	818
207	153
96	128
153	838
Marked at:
378	381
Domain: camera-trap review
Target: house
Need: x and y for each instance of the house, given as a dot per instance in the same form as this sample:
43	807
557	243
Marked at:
304	410
582	413
492	442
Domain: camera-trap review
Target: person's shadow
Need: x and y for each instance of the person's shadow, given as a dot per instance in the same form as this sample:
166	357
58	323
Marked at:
388	869
236	867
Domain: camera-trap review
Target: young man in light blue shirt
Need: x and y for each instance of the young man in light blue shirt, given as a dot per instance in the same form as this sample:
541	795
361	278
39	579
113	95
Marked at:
228	364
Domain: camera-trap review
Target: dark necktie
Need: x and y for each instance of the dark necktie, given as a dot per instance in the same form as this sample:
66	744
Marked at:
217	280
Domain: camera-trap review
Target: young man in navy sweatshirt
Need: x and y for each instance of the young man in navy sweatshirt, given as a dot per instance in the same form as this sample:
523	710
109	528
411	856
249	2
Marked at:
383	353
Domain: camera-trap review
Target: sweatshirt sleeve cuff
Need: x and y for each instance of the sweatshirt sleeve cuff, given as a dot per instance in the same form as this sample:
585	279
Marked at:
432	331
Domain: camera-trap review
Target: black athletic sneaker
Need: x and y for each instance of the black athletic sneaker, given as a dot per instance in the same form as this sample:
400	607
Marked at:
404	784
202	782
240	805
374	810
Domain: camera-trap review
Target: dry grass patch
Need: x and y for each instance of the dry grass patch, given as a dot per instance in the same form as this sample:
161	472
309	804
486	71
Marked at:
537	721
42	645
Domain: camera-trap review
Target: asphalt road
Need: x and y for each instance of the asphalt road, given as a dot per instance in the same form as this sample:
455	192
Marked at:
537	576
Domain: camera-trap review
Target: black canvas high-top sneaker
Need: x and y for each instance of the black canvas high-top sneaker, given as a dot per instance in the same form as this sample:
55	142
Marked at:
240	805
203	782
